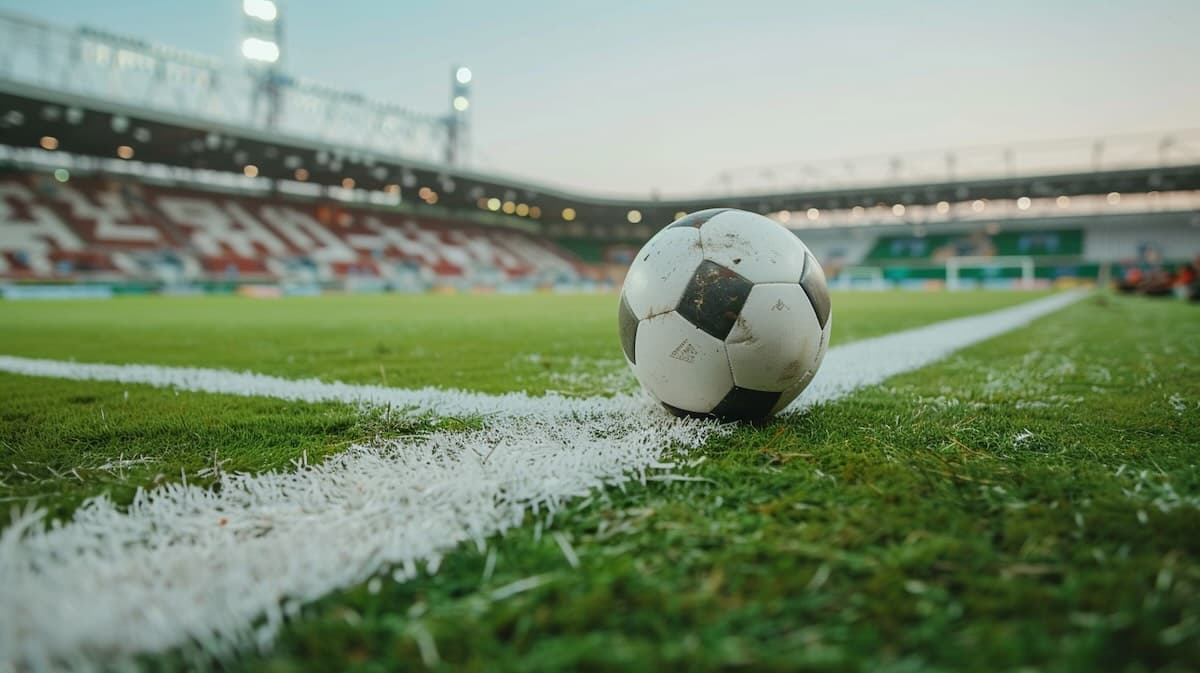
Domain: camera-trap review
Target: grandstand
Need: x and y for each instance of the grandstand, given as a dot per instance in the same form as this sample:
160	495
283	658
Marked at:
145	236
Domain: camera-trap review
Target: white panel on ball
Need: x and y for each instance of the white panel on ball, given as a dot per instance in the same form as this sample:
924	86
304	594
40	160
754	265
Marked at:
656	279
798	387
759	249
681	364
775	340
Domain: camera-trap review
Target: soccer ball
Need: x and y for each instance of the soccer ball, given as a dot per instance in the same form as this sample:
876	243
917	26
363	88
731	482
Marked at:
724	313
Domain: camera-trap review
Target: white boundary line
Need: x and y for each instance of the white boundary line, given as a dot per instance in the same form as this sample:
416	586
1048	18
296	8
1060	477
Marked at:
846	368
224	567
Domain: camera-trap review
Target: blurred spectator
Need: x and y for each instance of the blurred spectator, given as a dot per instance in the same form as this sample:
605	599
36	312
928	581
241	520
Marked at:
1189	279
1158	283
1131	278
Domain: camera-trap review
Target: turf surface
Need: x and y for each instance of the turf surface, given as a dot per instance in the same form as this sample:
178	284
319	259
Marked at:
64	440
1032	502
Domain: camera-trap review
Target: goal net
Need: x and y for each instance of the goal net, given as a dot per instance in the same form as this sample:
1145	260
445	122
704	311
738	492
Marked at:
860	278
955	265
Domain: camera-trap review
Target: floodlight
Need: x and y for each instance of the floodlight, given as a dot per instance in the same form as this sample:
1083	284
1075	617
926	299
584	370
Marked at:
463	75
260	9
256	49
461	103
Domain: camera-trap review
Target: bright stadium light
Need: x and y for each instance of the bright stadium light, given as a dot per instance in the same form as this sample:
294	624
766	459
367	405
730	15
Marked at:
898	209
568	214
812	213
493	204
1063	201
943	207
463	75
1113	198
634	216
260	9
1024	202
461	103
256	49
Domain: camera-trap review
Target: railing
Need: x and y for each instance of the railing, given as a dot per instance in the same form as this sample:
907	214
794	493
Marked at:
1079	155
90	63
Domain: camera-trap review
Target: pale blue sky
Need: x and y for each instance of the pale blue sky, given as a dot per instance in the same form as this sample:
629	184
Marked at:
628	97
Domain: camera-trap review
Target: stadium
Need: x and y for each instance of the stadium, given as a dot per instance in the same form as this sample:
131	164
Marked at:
290	380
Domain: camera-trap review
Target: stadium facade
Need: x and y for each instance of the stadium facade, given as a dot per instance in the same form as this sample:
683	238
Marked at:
143	169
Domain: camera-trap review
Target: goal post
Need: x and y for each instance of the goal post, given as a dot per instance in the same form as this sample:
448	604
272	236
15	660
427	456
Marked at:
860	277
1022	262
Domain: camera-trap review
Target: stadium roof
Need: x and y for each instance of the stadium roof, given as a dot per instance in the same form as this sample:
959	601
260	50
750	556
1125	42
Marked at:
93	127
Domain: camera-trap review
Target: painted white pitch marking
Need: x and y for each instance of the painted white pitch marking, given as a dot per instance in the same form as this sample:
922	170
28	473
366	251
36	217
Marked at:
846	368
224	567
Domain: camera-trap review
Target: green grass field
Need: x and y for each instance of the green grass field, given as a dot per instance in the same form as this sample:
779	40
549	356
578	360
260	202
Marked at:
1030	503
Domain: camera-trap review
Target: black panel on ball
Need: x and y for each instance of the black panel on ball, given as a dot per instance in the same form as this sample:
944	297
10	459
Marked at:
696	219
812	279
713	298
744	404
628	324
684	413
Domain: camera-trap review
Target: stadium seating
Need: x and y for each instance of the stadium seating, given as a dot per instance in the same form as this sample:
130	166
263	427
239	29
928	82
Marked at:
935	247
1117	244
107	229
103	228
